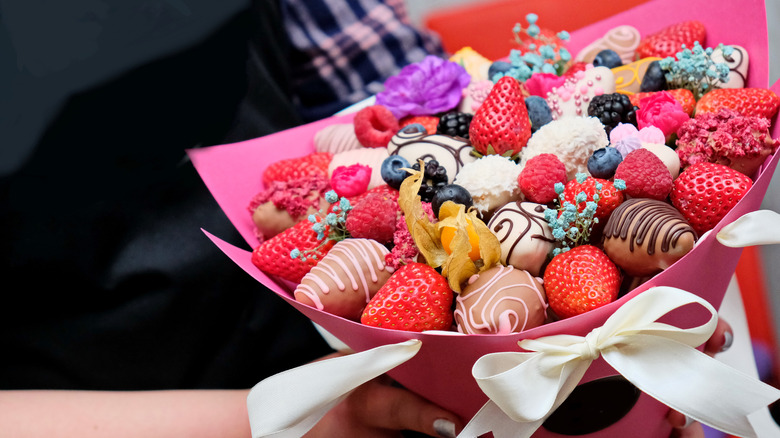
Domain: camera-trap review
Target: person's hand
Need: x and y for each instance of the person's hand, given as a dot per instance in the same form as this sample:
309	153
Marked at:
380	409
719	342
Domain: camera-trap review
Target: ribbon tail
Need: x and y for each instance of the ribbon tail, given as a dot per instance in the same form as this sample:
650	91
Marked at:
491	418
289	404
704	388
761	227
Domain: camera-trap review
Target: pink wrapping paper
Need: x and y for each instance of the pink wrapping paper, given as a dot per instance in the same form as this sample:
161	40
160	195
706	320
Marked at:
441	371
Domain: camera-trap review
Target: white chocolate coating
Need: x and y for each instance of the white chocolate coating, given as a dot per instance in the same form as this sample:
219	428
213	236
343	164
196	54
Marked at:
451	152
346	279
526	239
573	97
336	138
501	300
622	39
738	65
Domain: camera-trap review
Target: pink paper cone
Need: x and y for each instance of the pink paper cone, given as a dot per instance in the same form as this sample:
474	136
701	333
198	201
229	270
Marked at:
441	371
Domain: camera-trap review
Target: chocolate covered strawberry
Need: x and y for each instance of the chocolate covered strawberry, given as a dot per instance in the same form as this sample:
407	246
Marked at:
580	279
705	192
669	40
750	102
501	125
415	298
275	256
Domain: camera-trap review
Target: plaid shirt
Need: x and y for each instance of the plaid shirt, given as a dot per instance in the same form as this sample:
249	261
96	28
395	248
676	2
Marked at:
345	49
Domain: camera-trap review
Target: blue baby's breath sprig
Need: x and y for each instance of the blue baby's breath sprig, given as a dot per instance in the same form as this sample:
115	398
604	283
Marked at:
329	227
543	55
572	226
694	69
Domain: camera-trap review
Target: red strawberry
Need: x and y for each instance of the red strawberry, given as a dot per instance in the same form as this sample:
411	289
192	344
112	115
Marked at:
501	125
374	216
574	68
429	122
682	95
538	177
580	279
314	164
415	298
609	196
375	125
645	175
751	102
705	192
669	40
273	255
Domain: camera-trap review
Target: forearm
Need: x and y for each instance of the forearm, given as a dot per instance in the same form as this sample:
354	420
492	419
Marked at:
159	414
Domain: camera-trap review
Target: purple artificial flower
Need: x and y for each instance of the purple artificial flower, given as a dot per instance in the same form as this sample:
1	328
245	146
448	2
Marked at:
430	86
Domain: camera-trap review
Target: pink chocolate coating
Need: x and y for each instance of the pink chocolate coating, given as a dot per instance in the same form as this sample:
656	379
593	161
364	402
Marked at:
344	281
501	300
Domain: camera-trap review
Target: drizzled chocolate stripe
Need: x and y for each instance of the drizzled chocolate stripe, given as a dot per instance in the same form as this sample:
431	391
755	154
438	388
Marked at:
648	218
414	139
499	222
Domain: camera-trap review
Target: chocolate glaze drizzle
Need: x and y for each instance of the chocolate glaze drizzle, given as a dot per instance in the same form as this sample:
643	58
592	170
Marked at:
498	222
648	217
415	139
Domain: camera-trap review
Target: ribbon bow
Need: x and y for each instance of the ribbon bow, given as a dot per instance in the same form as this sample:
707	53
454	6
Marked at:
660	359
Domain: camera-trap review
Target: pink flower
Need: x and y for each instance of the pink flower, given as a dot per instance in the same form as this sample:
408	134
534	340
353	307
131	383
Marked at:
539	84
663	111
349	181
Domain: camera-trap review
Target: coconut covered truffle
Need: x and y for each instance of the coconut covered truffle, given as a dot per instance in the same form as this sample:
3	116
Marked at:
726	137
492	182
571	139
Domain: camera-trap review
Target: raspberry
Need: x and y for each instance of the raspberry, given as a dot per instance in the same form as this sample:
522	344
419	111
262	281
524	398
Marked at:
645	175
375	125
349	181
374	216
538	177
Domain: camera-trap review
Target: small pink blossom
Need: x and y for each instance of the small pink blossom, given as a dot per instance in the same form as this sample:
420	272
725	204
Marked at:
539	84
350	181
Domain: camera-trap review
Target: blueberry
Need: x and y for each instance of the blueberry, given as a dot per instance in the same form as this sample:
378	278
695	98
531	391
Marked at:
451	192
603	162
607	58
498	67
538	111
654	79
414	128
392	170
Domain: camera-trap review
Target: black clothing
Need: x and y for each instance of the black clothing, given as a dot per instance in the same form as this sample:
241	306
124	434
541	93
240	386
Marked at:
109	282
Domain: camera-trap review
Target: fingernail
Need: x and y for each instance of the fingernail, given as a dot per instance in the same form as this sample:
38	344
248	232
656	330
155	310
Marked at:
688	421
444	428
728	339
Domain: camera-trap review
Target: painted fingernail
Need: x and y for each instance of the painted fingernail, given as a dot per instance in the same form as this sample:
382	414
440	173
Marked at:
728	339
444	428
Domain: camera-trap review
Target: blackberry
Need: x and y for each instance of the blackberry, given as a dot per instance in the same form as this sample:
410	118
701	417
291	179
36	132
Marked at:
612	109
434	178
455	124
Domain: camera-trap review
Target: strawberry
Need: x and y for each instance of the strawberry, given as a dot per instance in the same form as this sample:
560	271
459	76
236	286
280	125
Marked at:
609	196
314	164
430	123
750	102
580	279
682	95
501	125
705	192
415	298
669	40
273	255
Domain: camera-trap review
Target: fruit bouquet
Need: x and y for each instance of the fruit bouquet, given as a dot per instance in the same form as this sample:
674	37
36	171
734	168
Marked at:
539	243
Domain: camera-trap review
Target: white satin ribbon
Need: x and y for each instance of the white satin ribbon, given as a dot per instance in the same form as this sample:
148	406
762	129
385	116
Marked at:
289	404
661	360
760	227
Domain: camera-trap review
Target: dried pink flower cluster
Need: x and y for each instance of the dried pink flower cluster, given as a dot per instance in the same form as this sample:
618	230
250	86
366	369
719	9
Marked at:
295	196
725	137
404	249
